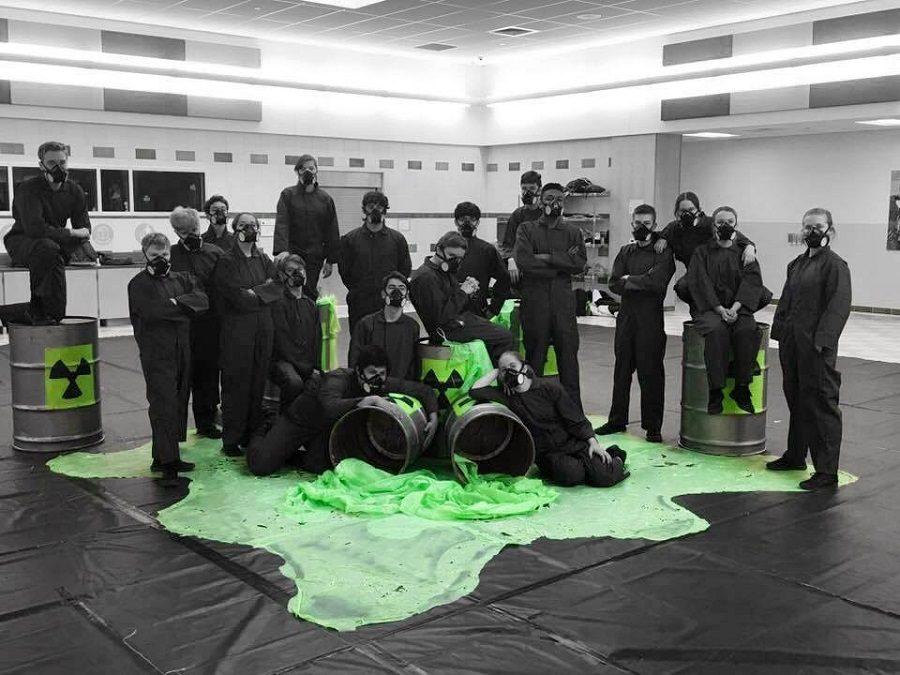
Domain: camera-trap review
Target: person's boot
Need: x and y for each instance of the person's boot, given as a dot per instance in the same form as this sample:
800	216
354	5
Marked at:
169	476
741	395
607	428
820	481
714	407
231	450
654	436
784	464
211	431
180	466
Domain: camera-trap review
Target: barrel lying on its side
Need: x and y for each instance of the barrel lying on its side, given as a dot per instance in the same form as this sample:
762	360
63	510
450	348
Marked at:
389	439
55	386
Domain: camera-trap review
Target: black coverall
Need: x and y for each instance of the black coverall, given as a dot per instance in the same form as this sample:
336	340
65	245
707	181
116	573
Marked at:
398	338
809	319
523	214
162	332
297	349
441	306
366	257
204	332
683	241
717	276
246	338
548	301
308	421
482	262
640	342
40	240
306	223
224	242
561	433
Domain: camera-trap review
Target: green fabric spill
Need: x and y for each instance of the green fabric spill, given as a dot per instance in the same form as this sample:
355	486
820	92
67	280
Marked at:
355	487
351	570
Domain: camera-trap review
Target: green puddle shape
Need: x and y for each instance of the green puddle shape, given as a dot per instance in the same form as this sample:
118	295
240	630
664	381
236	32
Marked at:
356	569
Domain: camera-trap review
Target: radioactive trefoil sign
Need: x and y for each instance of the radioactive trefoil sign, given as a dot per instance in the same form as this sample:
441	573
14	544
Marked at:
69	376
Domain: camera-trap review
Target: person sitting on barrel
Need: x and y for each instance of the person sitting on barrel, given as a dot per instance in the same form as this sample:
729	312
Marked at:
441	301
567	451
301	433
161	304
39	238
726	293
297	344
390	329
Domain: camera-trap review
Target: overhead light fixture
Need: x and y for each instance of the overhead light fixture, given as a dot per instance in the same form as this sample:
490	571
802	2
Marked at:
589	17
887	122
513	31
711	134
436	47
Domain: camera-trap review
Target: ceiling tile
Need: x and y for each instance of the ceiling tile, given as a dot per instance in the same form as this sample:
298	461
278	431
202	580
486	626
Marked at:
254	8
296	13
426	12
653	5
209	5
336	19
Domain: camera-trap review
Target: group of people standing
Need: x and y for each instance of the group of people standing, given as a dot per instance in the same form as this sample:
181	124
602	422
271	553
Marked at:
215	318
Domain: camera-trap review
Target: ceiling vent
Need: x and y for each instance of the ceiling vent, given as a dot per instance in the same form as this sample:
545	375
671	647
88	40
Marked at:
513	31
435	47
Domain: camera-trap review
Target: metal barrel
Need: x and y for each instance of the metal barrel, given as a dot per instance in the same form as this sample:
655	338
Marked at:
387	439
734	432
490	435
55	385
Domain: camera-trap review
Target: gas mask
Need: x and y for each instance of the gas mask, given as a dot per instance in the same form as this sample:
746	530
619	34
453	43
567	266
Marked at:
296	279
467	228
450	265
396	297
219	218
553	209
815	239
57	174
725	232
158	267
375	216
371	385
192	242
528	197
307	177
510	379
687	218
248	235
641	233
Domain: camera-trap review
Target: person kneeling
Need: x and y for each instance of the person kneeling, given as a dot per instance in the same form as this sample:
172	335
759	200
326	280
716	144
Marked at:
300	434
567	452
726	293
297	345
160	304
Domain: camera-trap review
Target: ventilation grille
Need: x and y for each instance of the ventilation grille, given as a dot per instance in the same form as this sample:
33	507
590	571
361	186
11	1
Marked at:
513	31
436	47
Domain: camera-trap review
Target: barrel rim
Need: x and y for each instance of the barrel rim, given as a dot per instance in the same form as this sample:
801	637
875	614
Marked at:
70	321
402	418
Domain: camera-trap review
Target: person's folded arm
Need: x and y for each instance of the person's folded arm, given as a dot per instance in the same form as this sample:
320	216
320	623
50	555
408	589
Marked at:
335	403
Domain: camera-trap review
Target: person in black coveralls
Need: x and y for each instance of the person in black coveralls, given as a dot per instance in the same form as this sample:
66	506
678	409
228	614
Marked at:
530	190
367	254
246	287
566	451
481	262
640	276
811	314
161	304
39	238
216	210
726	293
193	255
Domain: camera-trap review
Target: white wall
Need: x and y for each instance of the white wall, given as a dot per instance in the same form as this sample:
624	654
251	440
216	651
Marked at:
772	181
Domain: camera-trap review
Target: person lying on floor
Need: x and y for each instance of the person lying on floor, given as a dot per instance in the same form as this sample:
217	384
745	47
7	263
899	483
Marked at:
567	452
300	434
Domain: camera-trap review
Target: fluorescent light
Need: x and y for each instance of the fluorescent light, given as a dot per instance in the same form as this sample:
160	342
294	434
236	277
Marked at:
711	134
887	122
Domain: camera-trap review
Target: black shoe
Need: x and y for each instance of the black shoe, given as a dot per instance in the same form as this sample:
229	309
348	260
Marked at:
820	481
210	432
741	395
169	476
654	437
714	407
782	464
231	450
180	465
608	428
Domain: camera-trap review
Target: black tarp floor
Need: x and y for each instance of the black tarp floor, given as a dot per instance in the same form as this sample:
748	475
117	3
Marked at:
779	583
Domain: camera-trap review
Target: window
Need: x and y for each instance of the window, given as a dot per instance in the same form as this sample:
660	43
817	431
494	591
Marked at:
357	162
385	164
537	166
414	165
222	157
468	166
87	179
4	189
515	166
114	183
164	190
562	164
